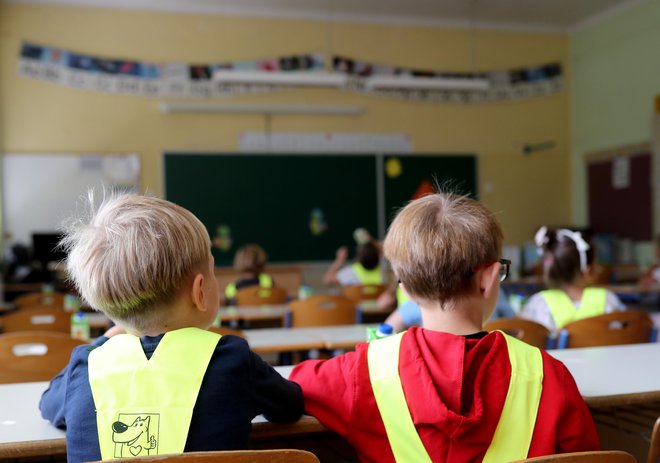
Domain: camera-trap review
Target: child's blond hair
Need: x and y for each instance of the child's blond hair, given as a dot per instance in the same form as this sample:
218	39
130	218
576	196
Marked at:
435	242
132	256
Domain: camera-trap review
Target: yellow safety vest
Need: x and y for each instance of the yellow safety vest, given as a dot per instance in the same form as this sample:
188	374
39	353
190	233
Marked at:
368	277
401	297
265	281
144	406
563	310
513	434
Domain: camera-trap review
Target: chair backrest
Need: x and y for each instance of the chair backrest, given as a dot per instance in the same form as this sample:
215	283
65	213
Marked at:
40	318
654	448
255	295
357	293
37	299
603	456
629	327
528	331
230	456
222	331
34	356
322	311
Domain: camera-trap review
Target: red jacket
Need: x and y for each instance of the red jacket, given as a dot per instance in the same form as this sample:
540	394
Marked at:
455	388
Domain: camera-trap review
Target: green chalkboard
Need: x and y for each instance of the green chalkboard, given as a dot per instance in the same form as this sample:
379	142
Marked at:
409	176
271	199
275	200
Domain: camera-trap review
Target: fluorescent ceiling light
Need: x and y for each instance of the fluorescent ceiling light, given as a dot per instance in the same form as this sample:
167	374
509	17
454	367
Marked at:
426	83
290	78
320	110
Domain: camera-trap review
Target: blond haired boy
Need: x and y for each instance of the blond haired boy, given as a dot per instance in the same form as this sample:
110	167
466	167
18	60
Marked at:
446	392
169	386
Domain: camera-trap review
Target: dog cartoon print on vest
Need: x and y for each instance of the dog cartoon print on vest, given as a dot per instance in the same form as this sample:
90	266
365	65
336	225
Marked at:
135	435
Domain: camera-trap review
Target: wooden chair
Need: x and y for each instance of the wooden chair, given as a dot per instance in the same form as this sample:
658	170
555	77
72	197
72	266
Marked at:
629	327
35	299
229	456
604	456
654	448
255	295
41	318
222	331
359	293
528	331
322	311
34	356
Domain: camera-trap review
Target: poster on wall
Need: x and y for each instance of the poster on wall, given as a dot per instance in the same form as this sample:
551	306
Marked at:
202	80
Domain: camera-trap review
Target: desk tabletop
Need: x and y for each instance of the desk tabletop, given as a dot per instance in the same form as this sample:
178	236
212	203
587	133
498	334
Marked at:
295	339
634	289
257	312
614	375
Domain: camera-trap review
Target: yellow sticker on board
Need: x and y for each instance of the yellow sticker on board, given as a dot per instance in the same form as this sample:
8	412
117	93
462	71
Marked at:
393	167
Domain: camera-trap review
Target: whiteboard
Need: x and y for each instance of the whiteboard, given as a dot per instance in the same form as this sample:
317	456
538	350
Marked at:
39	191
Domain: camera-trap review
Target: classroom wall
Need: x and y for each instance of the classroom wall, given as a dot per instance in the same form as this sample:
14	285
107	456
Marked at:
526	191
615	79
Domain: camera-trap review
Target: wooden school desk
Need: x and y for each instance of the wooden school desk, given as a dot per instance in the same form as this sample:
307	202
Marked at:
255	313
299	339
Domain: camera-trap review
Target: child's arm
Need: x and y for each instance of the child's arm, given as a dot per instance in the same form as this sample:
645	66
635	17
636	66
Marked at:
278	399
53	401
329	388
330	277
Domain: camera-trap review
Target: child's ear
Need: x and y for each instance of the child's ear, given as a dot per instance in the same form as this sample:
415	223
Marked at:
489	279
197	292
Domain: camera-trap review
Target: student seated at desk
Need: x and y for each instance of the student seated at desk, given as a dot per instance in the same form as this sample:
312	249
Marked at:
446	392
169	386
366	270
567	262
408	313
250	261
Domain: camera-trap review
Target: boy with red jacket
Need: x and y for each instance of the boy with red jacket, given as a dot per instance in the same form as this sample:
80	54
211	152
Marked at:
448	391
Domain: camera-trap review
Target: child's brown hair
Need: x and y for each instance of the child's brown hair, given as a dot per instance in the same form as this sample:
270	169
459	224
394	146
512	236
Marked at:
250	258
435	241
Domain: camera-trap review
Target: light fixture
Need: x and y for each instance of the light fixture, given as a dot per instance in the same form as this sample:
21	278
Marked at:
281	109
290	78
426	83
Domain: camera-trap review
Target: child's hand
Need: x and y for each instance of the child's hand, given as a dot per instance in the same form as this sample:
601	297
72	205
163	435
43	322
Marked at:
342	254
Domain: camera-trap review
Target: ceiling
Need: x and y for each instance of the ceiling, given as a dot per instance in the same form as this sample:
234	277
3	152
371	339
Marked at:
533	15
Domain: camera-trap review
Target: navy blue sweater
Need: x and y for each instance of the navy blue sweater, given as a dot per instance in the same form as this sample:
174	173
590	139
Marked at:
238	385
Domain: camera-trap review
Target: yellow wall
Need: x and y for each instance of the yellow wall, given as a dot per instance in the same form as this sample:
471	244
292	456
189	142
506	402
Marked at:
42	117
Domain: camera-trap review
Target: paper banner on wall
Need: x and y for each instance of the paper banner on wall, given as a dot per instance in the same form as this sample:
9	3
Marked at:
425	188
317	224
621	172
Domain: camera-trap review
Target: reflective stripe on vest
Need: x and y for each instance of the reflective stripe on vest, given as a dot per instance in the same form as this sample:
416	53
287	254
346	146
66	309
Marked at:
265	281
144	406
513	434
563	310
367	277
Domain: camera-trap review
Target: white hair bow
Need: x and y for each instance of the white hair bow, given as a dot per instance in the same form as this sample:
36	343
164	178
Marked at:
581	245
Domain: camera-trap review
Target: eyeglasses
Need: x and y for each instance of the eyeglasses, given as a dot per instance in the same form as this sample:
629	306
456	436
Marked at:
504	268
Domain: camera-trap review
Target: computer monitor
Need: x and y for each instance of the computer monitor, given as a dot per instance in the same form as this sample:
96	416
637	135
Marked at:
45	247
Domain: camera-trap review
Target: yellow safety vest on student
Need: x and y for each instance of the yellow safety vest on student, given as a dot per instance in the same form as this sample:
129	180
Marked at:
144	406
368	277
563	310
513	434
265	281
401	296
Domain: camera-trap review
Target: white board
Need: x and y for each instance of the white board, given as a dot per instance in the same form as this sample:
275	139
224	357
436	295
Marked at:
39	191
